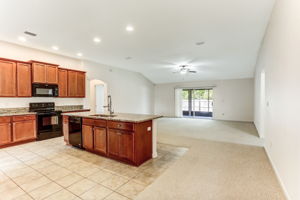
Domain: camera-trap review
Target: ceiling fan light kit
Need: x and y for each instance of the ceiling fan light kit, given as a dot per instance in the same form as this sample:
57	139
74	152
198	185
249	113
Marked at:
185	70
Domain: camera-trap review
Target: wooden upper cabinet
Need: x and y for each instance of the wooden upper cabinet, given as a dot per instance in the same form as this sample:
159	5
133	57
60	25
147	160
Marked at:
76	84
100	139
44	73
8	73
16	78
63	82
72	83
51	74
38	73
80	84
23	80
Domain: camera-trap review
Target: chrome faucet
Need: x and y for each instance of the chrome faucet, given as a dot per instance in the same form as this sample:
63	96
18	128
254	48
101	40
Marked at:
109	106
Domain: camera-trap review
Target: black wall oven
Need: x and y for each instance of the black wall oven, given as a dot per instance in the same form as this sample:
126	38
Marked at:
44	90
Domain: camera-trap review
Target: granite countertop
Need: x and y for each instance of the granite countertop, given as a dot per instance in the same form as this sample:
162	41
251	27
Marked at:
4	114
125	117
64	110
7	114
25	110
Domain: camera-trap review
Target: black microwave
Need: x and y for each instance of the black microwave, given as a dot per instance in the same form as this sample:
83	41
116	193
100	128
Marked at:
44	90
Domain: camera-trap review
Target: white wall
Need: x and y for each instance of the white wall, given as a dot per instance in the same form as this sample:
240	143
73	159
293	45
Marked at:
131	92
279	58
233	99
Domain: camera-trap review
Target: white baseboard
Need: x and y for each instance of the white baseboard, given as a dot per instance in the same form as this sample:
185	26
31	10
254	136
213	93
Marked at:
277	175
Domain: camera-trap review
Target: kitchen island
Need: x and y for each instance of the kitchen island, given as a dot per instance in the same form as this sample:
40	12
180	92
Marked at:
130	138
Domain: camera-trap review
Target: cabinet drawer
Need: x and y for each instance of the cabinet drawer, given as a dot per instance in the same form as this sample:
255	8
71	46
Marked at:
4	119
121	125
94	122
100	123
87	121
23	118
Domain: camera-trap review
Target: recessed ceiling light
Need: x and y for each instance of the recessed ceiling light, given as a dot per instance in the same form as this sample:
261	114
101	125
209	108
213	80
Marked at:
79	54
55	48
200	43
129	28
22	39
97	40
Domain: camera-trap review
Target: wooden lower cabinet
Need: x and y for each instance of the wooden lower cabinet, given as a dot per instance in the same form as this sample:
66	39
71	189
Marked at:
17	129
87	137
94	138
100	140
126	146
66	128
5	133
113	142
23	130
121	144
124	141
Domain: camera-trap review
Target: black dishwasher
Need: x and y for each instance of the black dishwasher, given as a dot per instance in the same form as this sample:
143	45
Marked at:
75	135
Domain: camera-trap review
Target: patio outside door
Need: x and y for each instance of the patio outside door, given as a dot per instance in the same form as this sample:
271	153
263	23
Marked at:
197	102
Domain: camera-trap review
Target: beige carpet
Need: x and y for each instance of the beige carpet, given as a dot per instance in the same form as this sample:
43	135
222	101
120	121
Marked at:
213	170
216	130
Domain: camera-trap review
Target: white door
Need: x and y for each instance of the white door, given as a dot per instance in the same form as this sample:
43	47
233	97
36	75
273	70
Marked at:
99	90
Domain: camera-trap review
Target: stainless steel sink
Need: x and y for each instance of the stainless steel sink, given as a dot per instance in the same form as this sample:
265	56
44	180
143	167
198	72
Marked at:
103	115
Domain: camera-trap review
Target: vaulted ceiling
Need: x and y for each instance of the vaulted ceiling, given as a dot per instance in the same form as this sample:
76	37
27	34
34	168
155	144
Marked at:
218	39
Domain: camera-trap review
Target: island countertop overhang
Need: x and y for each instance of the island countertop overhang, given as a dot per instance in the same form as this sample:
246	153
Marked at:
122	117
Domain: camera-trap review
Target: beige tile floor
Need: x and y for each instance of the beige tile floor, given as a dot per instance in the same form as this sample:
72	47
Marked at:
53	171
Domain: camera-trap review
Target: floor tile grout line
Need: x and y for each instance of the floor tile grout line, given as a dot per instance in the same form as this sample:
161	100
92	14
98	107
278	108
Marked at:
65	176
21	188
100	168
42	175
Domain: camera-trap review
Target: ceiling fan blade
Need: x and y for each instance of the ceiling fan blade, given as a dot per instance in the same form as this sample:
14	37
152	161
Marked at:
192	72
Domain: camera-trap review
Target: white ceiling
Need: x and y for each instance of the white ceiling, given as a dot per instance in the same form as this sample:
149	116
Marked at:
165	33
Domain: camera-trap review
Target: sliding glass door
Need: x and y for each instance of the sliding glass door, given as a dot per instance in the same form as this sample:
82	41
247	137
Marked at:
197	102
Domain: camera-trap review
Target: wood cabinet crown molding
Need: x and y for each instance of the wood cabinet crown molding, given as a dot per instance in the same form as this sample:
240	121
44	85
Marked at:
16	61
45	63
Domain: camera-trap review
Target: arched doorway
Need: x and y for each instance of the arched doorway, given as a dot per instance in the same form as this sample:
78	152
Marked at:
98	94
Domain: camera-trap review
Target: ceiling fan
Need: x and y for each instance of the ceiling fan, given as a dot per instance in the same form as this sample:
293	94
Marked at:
184	69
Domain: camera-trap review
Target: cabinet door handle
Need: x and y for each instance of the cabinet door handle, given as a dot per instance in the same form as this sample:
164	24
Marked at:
119	125
119	133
